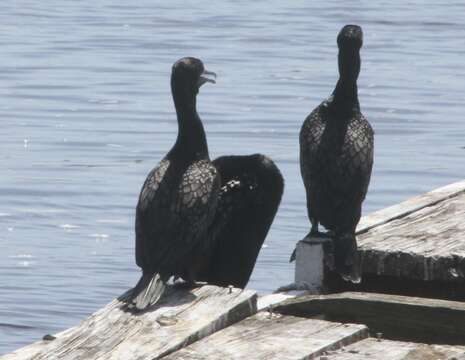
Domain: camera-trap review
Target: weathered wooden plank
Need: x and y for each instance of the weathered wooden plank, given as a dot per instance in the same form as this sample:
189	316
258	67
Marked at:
413	248
373	349
411	205
397	317
427	244
265	301
273	336
182	317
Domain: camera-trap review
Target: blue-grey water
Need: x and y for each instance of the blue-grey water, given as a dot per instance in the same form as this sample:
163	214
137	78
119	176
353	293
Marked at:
86	112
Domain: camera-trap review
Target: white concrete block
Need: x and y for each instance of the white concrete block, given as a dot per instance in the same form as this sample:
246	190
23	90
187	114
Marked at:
309	262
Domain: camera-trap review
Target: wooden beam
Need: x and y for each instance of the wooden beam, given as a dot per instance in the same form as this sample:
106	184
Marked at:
409	206
427	244
273	336
264	302
374	349
397	317
182	317
414	248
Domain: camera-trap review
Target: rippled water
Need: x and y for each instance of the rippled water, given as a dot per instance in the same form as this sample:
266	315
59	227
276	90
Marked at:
86	112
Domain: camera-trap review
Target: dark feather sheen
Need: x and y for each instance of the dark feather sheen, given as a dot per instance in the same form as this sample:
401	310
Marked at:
175	207
251	191
199	220
179	197
336	157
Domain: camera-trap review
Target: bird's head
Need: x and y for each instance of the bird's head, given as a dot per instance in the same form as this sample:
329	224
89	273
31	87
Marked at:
350	38
189	74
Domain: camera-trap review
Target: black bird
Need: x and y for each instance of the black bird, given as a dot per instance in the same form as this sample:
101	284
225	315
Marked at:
336	158
250	194
186	214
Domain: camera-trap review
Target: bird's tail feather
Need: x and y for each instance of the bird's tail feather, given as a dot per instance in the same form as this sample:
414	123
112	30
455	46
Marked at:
346	257
147	292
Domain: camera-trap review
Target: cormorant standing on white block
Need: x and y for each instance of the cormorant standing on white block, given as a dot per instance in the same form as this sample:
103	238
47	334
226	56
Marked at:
336	158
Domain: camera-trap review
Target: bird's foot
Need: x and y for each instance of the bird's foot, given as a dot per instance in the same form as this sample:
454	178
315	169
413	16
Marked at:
317	234
187	284
317	237
300	286
353	278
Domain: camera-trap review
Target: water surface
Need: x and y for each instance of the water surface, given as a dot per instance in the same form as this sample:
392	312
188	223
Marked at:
86	112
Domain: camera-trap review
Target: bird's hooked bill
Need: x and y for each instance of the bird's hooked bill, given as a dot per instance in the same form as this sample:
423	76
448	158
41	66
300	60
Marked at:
207	76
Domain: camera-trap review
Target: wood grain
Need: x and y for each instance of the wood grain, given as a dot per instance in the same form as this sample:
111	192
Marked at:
373	349
397	317
427	244
422	238
410	205
183	317
265	336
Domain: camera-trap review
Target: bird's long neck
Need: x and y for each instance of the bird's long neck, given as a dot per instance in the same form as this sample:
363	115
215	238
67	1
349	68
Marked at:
346	94
191	142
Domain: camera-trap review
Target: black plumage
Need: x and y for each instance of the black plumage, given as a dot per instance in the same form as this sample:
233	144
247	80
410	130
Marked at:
185	207
251	190
178	199
336	158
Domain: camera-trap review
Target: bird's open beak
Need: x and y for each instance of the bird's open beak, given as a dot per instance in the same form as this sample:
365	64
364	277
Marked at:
207	76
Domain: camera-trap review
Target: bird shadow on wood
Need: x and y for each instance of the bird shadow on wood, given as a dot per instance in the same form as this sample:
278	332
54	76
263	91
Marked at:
174	295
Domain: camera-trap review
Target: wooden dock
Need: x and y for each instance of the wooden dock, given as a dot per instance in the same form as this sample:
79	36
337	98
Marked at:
396	317
416	248
413	248
116	333
214	323
422	238
191	317
373	349
273	336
